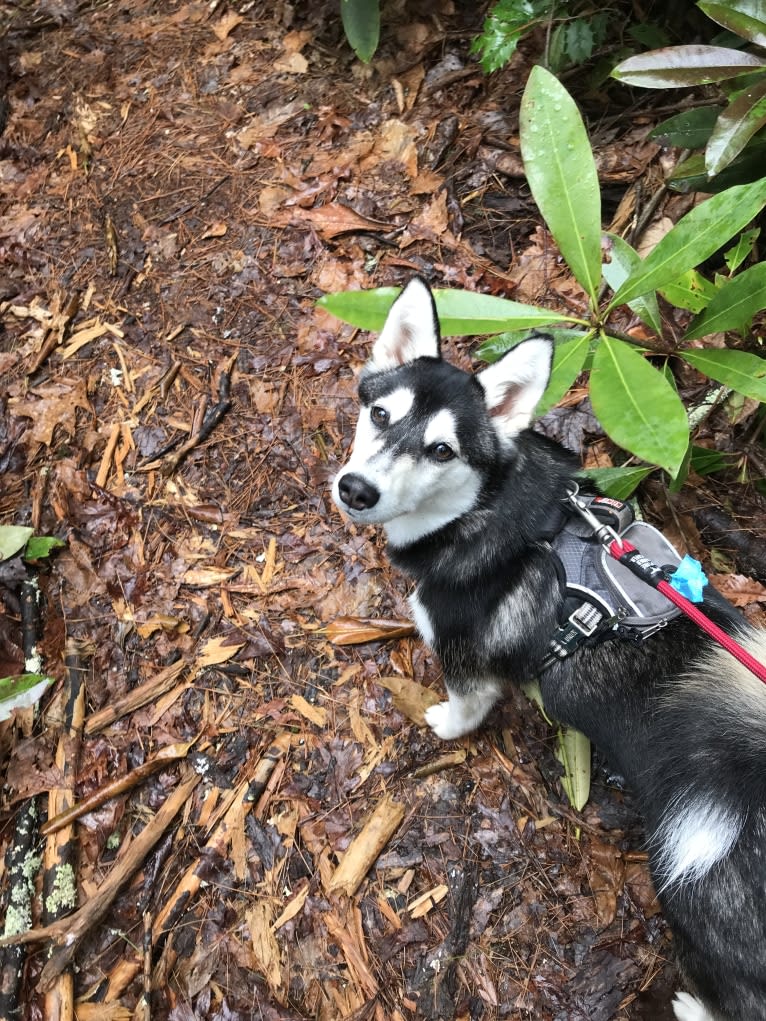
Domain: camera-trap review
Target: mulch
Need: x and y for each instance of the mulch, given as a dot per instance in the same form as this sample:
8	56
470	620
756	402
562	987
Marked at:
268	829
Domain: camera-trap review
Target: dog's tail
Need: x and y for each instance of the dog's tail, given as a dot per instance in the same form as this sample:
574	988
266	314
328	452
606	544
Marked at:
713	760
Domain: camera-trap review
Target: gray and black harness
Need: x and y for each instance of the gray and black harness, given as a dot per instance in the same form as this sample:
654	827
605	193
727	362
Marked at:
603	599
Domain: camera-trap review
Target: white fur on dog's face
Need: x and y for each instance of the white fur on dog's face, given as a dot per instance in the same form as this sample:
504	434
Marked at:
417	495
428	403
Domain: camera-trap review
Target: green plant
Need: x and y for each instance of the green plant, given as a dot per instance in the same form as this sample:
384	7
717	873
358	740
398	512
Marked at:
731	135
631	389
361	23
575	31
25	689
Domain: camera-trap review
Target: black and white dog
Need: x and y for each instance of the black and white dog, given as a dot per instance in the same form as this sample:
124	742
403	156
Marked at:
447	463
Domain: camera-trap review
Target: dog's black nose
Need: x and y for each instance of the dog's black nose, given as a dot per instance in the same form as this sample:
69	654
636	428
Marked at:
356	492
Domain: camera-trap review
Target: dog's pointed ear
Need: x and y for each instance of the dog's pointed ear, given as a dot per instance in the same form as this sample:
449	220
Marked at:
514	385
411	330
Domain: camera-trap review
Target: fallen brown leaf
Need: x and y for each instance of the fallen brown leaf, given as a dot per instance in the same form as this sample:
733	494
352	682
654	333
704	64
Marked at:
355	630
738	588
410	698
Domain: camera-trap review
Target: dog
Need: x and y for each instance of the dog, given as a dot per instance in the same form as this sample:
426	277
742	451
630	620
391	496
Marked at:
448	464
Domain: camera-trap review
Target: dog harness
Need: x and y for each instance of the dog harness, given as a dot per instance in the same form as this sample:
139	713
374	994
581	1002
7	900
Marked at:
603	598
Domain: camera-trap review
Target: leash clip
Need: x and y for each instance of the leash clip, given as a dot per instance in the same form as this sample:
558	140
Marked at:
604	533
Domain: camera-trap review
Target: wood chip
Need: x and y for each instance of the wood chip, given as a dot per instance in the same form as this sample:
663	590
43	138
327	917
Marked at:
367	846
427	901
313	713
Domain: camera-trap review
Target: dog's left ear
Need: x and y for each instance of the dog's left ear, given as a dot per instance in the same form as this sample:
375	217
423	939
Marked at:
514	385
411	330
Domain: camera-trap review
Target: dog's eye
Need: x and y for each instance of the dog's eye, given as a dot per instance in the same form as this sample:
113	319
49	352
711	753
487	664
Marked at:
441	452
379	415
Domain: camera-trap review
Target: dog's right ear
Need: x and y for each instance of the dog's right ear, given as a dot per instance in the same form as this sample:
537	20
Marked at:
411	330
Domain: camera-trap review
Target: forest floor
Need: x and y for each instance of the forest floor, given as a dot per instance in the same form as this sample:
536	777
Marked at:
179	183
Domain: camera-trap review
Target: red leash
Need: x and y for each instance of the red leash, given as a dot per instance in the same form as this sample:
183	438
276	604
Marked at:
643	568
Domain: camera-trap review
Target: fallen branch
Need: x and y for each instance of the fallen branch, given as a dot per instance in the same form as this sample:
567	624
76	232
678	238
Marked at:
253	793
59	860
72	928
171	753
57	330
134	699
197	204
210	419
366	846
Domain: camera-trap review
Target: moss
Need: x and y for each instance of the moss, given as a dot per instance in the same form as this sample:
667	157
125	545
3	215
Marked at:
63	895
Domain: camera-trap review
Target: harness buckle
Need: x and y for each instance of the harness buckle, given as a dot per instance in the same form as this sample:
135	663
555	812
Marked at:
581	624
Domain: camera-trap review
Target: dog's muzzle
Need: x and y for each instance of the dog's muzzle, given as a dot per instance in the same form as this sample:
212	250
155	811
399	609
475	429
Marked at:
356	492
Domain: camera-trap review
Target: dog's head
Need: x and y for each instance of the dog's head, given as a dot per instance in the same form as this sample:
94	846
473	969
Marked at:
430	436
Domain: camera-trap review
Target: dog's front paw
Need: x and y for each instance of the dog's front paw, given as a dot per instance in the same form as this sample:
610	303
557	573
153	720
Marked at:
688	1008
441	719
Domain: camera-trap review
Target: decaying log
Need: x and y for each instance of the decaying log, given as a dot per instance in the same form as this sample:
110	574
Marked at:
72	928
21	860
718	529
434	983
21	864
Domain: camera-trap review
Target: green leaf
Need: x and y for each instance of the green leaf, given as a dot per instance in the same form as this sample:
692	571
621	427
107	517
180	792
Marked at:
705	461
637	406
12	539
742	250
562	174
495	347
624	261
691	291
461	313
557	58
689	129
679	66
694	238
361	23
40	546
619	483
735	127
734	304
691	175
572	42
568	360
652	36
21	692
506	23
573	752
569	355
743	372
743	17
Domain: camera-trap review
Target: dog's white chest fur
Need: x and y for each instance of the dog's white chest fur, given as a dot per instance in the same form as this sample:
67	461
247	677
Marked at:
422	619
